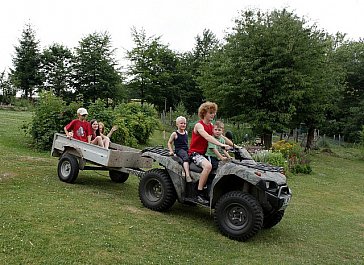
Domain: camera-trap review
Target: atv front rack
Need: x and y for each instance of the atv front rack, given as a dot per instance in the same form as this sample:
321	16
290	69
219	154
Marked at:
259	166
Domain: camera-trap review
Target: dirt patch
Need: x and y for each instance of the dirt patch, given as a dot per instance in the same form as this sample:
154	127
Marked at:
133	209
6	175
328	151
33	159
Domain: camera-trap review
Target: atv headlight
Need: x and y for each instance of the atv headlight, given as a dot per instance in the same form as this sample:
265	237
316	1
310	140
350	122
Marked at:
271	185
267	185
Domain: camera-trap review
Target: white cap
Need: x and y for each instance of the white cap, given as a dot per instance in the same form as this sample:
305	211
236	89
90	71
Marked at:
82	111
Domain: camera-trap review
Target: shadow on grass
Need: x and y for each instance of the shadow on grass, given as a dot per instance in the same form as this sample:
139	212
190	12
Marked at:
97	182
195	215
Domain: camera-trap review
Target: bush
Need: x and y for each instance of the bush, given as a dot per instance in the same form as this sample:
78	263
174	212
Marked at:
140	120
242	134
135	122
101	113
23	104
271	158
362	136
298	161
50	116
283	147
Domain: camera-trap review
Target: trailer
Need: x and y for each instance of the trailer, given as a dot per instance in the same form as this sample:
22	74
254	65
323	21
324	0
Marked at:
75	155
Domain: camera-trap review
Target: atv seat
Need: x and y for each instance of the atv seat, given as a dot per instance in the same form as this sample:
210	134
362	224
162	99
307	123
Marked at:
193	166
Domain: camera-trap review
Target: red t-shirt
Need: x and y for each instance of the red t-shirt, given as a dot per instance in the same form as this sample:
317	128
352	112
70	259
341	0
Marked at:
198	143
81	129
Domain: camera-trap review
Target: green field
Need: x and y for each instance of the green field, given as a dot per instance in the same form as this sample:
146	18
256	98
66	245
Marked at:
95	221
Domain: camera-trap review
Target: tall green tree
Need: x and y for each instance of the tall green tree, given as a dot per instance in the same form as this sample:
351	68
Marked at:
7	92
270	71
152	71
189	69
348	118
56	69
96	70
26	63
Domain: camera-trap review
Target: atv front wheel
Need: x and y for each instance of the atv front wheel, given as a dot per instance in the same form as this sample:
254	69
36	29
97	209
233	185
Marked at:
156	190
238	215
68	168
273	219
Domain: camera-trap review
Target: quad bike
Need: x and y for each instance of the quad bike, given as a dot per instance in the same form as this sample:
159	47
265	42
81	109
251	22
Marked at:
245	195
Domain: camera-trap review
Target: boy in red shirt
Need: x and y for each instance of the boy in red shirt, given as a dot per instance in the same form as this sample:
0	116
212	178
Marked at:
79	128
201	136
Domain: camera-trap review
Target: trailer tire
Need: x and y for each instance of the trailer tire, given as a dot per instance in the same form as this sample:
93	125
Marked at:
118	177
68	168
156	190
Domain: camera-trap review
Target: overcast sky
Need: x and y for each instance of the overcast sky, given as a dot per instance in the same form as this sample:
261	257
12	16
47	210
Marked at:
177	21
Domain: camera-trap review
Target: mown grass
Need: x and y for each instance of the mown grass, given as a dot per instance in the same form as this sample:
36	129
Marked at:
95	221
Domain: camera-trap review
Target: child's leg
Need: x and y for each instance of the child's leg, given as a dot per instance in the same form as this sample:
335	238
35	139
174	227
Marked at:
186	160
186	167
106	142
98	141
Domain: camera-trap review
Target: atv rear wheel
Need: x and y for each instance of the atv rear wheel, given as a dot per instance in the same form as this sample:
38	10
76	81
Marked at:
156	190
238	215
273	219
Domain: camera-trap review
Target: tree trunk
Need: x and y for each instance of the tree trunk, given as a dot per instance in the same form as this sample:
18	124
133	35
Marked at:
267	139
310	138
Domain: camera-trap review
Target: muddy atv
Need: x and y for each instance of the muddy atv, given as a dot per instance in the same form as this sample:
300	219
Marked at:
246	196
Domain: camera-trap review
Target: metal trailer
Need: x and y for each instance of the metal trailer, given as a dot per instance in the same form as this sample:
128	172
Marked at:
75	155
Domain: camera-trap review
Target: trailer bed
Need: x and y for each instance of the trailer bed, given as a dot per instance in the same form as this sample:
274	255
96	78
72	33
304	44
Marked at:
117	156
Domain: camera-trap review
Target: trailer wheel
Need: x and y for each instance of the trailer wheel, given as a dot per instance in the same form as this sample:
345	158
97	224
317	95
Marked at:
238	215
156	190
117	176
68	168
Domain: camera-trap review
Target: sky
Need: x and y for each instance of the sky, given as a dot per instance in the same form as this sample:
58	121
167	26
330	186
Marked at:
178	22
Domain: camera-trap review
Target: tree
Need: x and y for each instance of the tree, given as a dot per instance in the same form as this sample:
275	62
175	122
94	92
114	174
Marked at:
56	70
189	69
349	115
7	93
96	72
153	71
269	71
25	75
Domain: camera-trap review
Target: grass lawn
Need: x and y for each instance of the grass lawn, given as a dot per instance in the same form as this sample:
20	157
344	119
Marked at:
95	221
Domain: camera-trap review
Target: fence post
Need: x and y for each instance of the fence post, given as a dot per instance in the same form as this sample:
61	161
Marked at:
170	116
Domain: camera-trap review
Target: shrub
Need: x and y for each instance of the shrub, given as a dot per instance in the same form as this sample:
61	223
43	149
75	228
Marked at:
101	113
140	120
283	147
272	158
135	122
50	116
324	143
362	136
298	161
23	104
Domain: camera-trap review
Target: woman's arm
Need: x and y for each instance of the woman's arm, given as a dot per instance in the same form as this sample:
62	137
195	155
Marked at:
113	129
